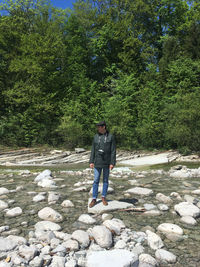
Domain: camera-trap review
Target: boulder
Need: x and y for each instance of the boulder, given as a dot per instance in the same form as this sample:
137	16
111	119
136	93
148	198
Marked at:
154	240
140	191
86	218
14	212
102	236
47	226
3	191
170	228
46	174
187	209
49	214
82	237
114	225
188	220
7	244
165	256
148	260
67	204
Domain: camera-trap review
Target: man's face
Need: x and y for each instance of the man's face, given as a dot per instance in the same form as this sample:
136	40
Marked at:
101	129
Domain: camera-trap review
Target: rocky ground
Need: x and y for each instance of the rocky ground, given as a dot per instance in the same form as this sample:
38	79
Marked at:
152	218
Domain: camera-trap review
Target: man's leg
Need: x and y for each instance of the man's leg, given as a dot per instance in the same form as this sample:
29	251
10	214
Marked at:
97	174
106	172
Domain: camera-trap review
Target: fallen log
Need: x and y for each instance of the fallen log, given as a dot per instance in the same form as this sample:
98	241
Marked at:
134	209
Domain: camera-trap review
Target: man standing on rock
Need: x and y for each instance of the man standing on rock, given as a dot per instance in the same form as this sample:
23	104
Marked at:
103	157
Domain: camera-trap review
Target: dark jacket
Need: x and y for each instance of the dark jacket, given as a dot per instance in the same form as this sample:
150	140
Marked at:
106	143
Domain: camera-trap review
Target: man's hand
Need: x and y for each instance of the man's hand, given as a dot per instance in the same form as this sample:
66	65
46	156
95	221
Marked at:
111	166
91	165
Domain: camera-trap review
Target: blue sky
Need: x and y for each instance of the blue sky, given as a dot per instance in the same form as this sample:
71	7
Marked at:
63	3
59	3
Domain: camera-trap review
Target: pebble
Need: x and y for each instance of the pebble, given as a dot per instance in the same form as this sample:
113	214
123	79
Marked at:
165	256
14	212
86	218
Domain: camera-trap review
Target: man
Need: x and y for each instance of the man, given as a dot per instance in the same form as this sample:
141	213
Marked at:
103	157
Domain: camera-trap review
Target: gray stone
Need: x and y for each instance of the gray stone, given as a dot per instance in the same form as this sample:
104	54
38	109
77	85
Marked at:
58	261
27	252
162	198
114	225
14	212
99	208
163	207
148	206
87	219
187	209
154	240
7	244
102	236
67	204
36	262
47	226
82	237
116	257
188	220
3	191
53	197
148	259
71	263
140	191
3	205
17	239
46	174
71	245
165	256
38	198
170	228
49	214
49	183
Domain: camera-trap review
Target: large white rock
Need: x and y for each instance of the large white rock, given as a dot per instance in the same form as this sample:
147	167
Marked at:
147	259
46	174
36	262
82	237
188	220
120	244
99	208
102	236
115	258
47	226
170	228
86	218
114	225
17	239
49	183
3	205
162	198
165	256
27	252
3	191
67	204
14	212
58	261
7	244
38	198
187	209
71	245
183	173
140	191
154	240
49	214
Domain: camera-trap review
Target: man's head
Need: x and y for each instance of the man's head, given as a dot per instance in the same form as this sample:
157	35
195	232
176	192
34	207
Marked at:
101	127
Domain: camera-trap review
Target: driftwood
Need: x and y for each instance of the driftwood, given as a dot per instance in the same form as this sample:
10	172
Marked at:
134	209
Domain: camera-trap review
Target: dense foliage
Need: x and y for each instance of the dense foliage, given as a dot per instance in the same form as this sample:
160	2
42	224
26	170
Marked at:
134	63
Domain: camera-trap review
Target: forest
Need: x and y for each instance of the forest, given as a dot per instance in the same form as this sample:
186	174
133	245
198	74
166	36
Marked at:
133	63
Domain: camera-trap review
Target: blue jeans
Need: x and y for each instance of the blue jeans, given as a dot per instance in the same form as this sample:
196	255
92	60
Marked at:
97	174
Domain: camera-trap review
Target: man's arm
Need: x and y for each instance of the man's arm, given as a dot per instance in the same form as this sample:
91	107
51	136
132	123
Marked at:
92	155
113	153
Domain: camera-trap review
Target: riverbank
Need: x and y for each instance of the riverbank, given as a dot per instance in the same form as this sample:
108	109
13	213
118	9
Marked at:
44	157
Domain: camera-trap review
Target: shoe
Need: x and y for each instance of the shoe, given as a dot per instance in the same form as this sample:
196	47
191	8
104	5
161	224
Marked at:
92	203
105	203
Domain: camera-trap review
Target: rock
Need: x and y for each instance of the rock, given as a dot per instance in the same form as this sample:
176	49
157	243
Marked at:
3	205
162	198
187	209
140	191
176	195
188	220
153	240
99	208
82	237
7	244
54	243
67	204
87	219
163	207
165	256
59	249
14	212
183	173
27	252
71	263
47	226
120	244
38	198
53	197
147	259
49	214
79	150
190	199
116	257
4	228
46	174
170	228
49	183
3	191
45	236
57	261
114	225
17	239
71	245
106	216
152	213
62	235
81	189
149	206
102	236
36	262
45	250
196	192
